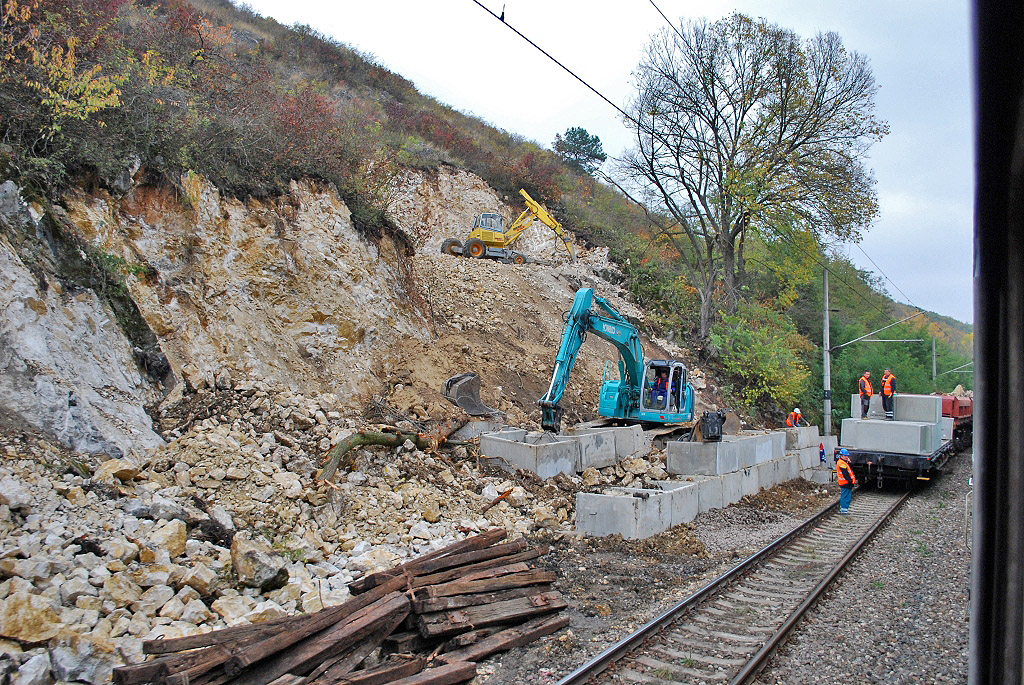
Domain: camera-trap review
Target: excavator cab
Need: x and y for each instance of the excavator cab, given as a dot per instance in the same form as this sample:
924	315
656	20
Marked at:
666	394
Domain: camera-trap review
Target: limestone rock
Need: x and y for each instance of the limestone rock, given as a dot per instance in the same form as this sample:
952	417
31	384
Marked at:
35	671
152	600
231	609
591	476
120	469
167	510
14	494
195	612
170	536
75	588
635	465
83	658
201	579
121	589
257	565
28	618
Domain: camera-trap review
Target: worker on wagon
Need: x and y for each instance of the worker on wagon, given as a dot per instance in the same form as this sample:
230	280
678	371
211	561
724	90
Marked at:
865	394
659	391
888	392
846	480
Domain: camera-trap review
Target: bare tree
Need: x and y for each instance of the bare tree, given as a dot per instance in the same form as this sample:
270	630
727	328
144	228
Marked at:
743	126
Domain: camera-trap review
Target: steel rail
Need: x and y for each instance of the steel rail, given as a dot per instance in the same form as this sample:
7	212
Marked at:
600	662
760	659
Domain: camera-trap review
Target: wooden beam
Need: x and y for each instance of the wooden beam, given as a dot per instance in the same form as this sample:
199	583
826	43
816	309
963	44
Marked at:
423	606
503	582
443	623
385	673
507	639
442	675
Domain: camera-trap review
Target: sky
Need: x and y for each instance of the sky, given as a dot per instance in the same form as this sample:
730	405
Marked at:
919	51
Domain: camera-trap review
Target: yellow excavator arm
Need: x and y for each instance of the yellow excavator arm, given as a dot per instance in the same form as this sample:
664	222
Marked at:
534	210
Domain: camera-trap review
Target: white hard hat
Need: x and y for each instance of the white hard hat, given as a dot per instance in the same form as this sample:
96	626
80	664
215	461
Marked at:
796	410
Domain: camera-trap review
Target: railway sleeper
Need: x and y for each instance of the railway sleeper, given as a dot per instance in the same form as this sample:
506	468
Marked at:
740	639
715	624
662	666
697	656
692	641
750	603
790	595
782	576
638	677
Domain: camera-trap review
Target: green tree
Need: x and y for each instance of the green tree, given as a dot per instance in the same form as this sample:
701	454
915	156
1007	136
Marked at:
741	126
580	150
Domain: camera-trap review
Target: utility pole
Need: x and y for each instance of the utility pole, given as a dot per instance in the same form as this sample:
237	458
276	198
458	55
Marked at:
827	361
933	359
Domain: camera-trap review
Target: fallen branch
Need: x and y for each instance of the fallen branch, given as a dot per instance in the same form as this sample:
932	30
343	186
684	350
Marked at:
497	499
422	442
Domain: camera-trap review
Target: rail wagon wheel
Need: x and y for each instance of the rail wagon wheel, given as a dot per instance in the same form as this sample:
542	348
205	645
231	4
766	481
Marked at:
519	259
475	248
451	246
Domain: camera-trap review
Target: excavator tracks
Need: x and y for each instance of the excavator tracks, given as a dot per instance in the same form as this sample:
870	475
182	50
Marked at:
726	631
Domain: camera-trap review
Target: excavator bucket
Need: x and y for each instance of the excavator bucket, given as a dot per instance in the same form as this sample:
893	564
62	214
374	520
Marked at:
464	390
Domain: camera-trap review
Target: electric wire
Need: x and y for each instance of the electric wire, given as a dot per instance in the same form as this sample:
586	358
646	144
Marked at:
885	276
634	121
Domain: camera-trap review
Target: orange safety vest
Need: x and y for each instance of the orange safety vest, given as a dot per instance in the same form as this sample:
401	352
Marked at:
844	474
865	387
793	420
887	384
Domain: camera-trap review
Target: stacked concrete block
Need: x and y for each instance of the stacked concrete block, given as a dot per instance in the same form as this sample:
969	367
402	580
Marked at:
702	458
919	408
628	440
709	492
947	428
875	411
787	468
831	443
631	512
732	487
820	475
900	437
778	439
544	454
801	437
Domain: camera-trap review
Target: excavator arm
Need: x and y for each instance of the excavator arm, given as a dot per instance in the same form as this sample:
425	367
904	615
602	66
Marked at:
612	327
535	211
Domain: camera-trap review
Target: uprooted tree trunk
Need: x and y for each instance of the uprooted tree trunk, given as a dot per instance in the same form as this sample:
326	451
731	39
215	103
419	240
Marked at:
424	441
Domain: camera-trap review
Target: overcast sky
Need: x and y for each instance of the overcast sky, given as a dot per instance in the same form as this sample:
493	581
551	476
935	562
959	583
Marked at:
919	50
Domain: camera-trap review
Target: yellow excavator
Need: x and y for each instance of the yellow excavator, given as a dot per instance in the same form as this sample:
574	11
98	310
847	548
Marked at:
490	240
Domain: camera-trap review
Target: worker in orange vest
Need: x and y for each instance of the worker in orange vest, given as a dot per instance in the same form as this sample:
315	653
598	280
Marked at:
794	418
888	392
865	394
846	480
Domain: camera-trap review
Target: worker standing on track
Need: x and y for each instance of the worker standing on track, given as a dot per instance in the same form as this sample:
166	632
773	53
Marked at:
846	480
794	418
888	392
865	394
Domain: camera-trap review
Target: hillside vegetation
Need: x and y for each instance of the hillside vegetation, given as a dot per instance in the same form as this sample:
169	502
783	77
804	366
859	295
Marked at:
93	91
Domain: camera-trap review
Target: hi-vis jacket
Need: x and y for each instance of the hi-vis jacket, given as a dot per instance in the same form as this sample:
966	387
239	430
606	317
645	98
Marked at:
844	474
865	387
888	384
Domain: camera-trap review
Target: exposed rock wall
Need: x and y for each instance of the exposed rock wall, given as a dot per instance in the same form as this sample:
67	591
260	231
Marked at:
284	290
65	366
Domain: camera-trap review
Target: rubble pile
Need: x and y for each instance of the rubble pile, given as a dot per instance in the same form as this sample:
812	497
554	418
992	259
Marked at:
437	614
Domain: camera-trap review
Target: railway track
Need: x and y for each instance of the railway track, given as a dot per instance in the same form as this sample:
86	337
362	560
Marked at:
726	631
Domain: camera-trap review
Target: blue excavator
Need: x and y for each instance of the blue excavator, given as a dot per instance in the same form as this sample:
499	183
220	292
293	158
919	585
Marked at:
655	391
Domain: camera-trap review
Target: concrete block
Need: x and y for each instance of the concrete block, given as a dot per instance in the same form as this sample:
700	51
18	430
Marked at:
763	449
474	429
684	499
633	513
749	483
787	468
831	443
701	458
809	457
920	408
874	412
821	476
709	493
902	437
544	454
778	439
947	428
767	474
597	448
732	487
628	440
801	436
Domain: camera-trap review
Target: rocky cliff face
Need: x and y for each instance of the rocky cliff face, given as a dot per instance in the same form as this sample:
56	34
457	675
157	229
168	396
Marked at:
65	366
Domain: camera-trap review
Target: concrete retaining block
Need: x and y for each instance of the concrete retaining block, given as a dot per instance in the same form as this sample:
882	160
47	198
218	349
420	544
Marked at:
629	440
819	475
709	493
831	443
875	410
631	512
732	488
544	454
809	457
767	473
800	437
597	448
701	458
778	439
787	468
763	451
749	483
683	499
947	428
902	437
921	408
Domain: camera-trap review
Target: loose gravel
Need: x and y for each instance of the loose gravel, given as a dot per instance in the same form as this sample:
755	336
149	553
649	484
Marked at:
898	614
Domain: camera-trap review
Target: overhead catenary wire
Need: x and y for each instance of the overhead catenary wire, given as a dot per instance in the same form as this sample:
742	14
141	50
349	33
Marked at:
501	19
